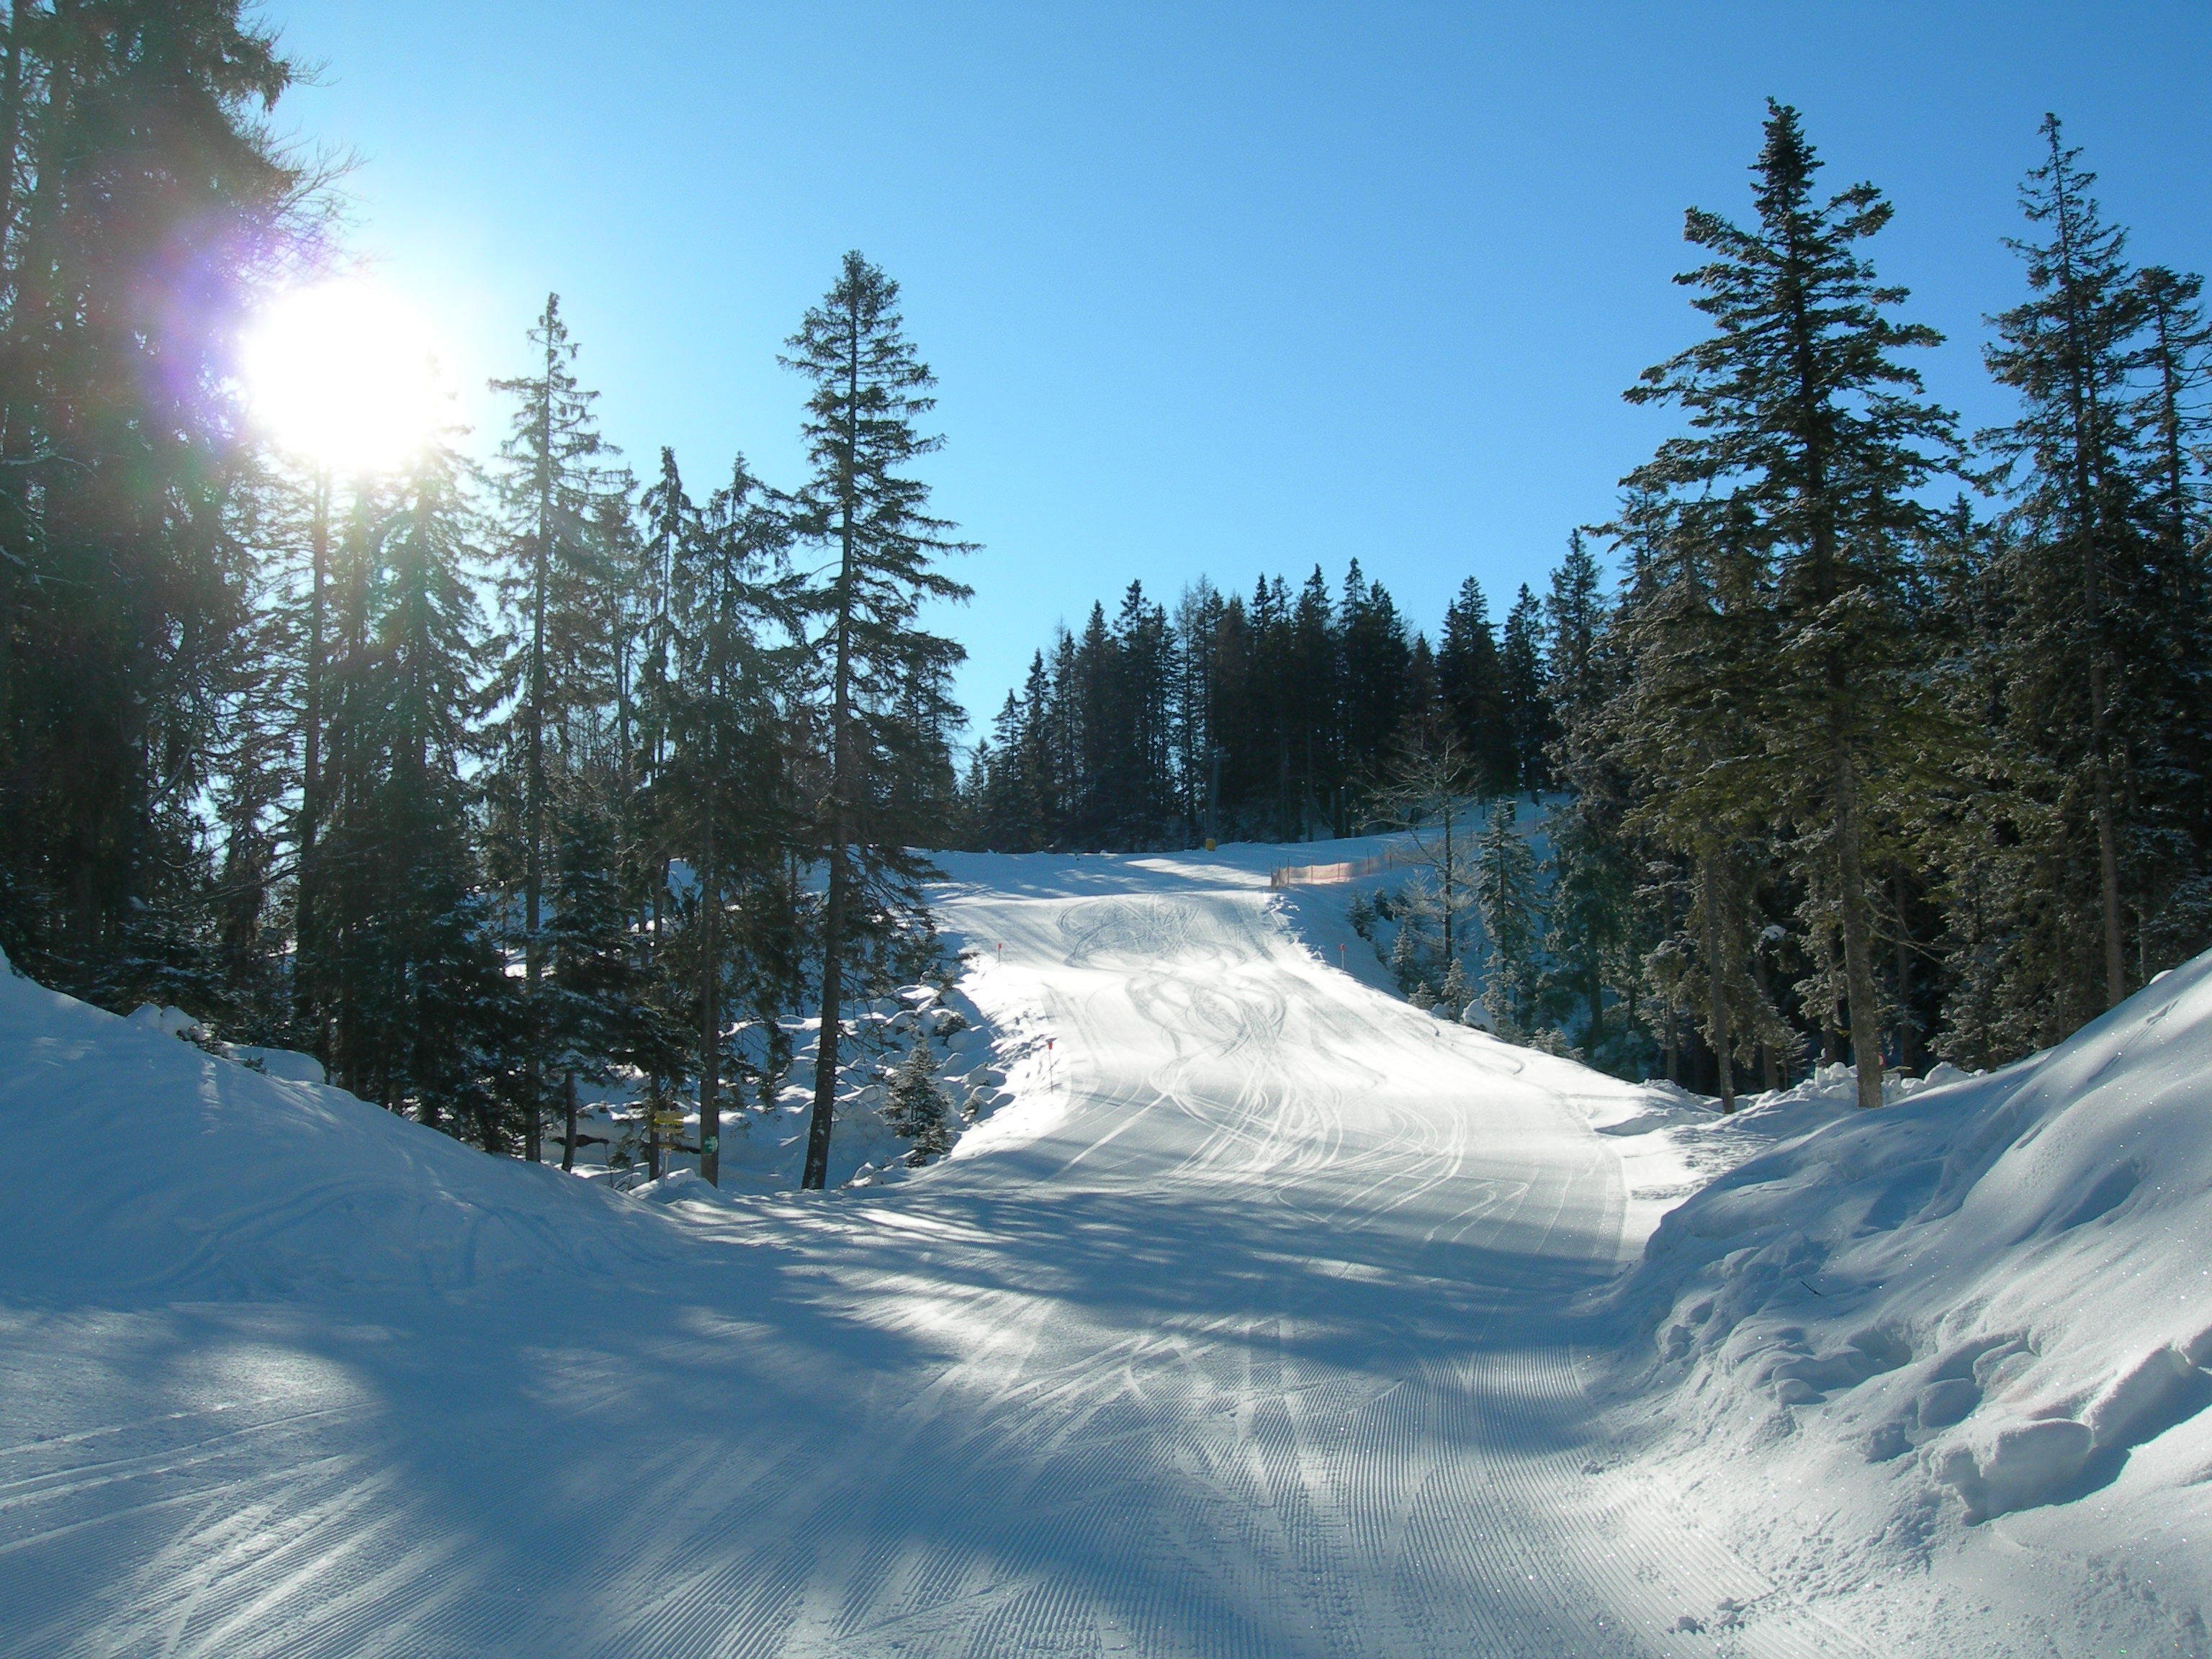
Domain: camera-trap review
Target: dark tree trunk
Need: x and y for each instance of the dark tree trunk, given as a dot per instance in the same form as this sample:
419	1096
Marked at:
533	882
312	804
825	1053
1857	930
1908	1047
1716	1017
568	1125
710	1013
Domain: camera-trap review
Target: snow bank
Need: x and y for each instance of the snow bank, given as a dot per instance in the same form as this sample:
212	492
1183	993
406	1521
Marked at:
159	1167
1992	1300
1672	1143
287	1063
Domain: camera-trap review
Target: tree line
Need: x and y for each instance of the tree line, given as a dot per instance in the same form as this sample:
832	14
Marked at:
1273	718
474	782
1888	741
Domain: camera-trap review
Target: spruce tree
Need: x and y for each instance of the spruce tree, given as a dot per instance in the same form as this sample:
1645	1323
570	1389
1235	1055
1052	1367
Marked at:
1144	666
1429	793
1472	687
725	790
670	526
551	479
861	507
1095	752
1804	423
1033	765
996	819
416	999
1573	618
314	653
1694	721
252	774
2066	352
1197	624
671	520
600	1015
1590	925
1405	952
1452	995
1507	897
2174	361
141	192
1592	937
1529	724
914	1108
2176	358
1977	857
1377	653
1314	668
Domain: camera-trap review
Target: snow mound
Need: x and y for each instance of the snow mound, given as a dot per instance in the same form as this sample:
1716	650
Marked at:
683	1187
1992	1298
147	1165
1673	1143
289	1064
1837	1084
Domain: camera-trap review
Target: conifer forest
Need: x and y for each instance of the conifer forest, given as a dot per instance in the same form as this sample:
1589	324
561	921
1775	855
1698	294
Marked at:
1841	733
1859	737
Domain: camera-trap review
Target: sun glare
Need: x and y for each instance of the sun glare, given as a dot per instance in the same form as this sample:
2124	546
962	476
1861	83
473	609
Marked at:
342	376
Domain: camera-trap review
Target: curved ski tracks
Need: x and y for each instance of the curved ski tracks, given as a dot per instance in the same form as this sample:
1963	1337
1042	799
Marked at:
1258	1352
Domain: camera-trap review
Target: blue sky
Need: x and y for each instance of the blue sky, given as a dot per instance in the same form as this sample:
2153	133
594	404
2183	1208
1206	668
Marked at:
1207	287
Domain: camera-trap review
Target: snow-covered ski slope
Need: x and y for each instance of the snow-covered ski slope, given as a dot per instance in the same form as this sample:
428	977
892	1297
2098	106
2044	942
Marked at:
1251	1329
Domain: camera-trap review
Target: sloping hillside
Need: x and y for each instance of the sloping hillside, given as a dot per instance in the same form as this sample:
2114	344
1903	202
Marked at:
152	1168
1960	1343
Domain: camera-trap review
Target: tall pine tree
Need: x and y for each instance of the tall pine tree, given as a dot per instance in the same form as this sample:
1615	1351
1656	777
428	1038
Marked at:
551	479
863	507
723	790
2098	577
1802	419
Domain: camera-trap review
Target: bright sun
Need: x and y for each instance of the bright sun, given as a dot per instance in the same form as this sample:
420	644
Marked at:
342	377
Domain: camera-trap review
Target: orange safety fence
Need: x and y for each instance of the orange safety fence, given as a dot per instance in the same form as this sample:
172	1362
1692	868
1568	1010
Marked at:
1330	875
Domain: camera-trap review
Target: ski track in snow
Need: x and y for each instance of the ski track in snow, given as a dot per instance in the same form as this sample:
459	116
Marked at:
1258	1347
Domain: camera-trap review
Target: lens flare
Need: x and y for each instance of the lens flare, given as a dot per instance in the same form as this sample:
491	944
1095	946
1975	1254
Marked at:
342	376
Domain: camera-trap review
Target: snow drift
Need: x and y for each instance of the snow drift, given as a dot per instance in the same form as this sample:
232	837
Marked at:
167	1169
1992	1300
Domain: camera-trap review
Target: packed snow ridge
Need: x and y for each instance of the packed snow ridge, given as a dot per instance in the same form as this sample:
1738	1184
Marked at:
1265	1315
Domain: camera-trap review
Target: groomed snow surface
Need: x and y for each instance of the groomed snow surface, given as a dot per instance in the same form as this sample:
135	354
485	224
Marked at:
1272	1317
